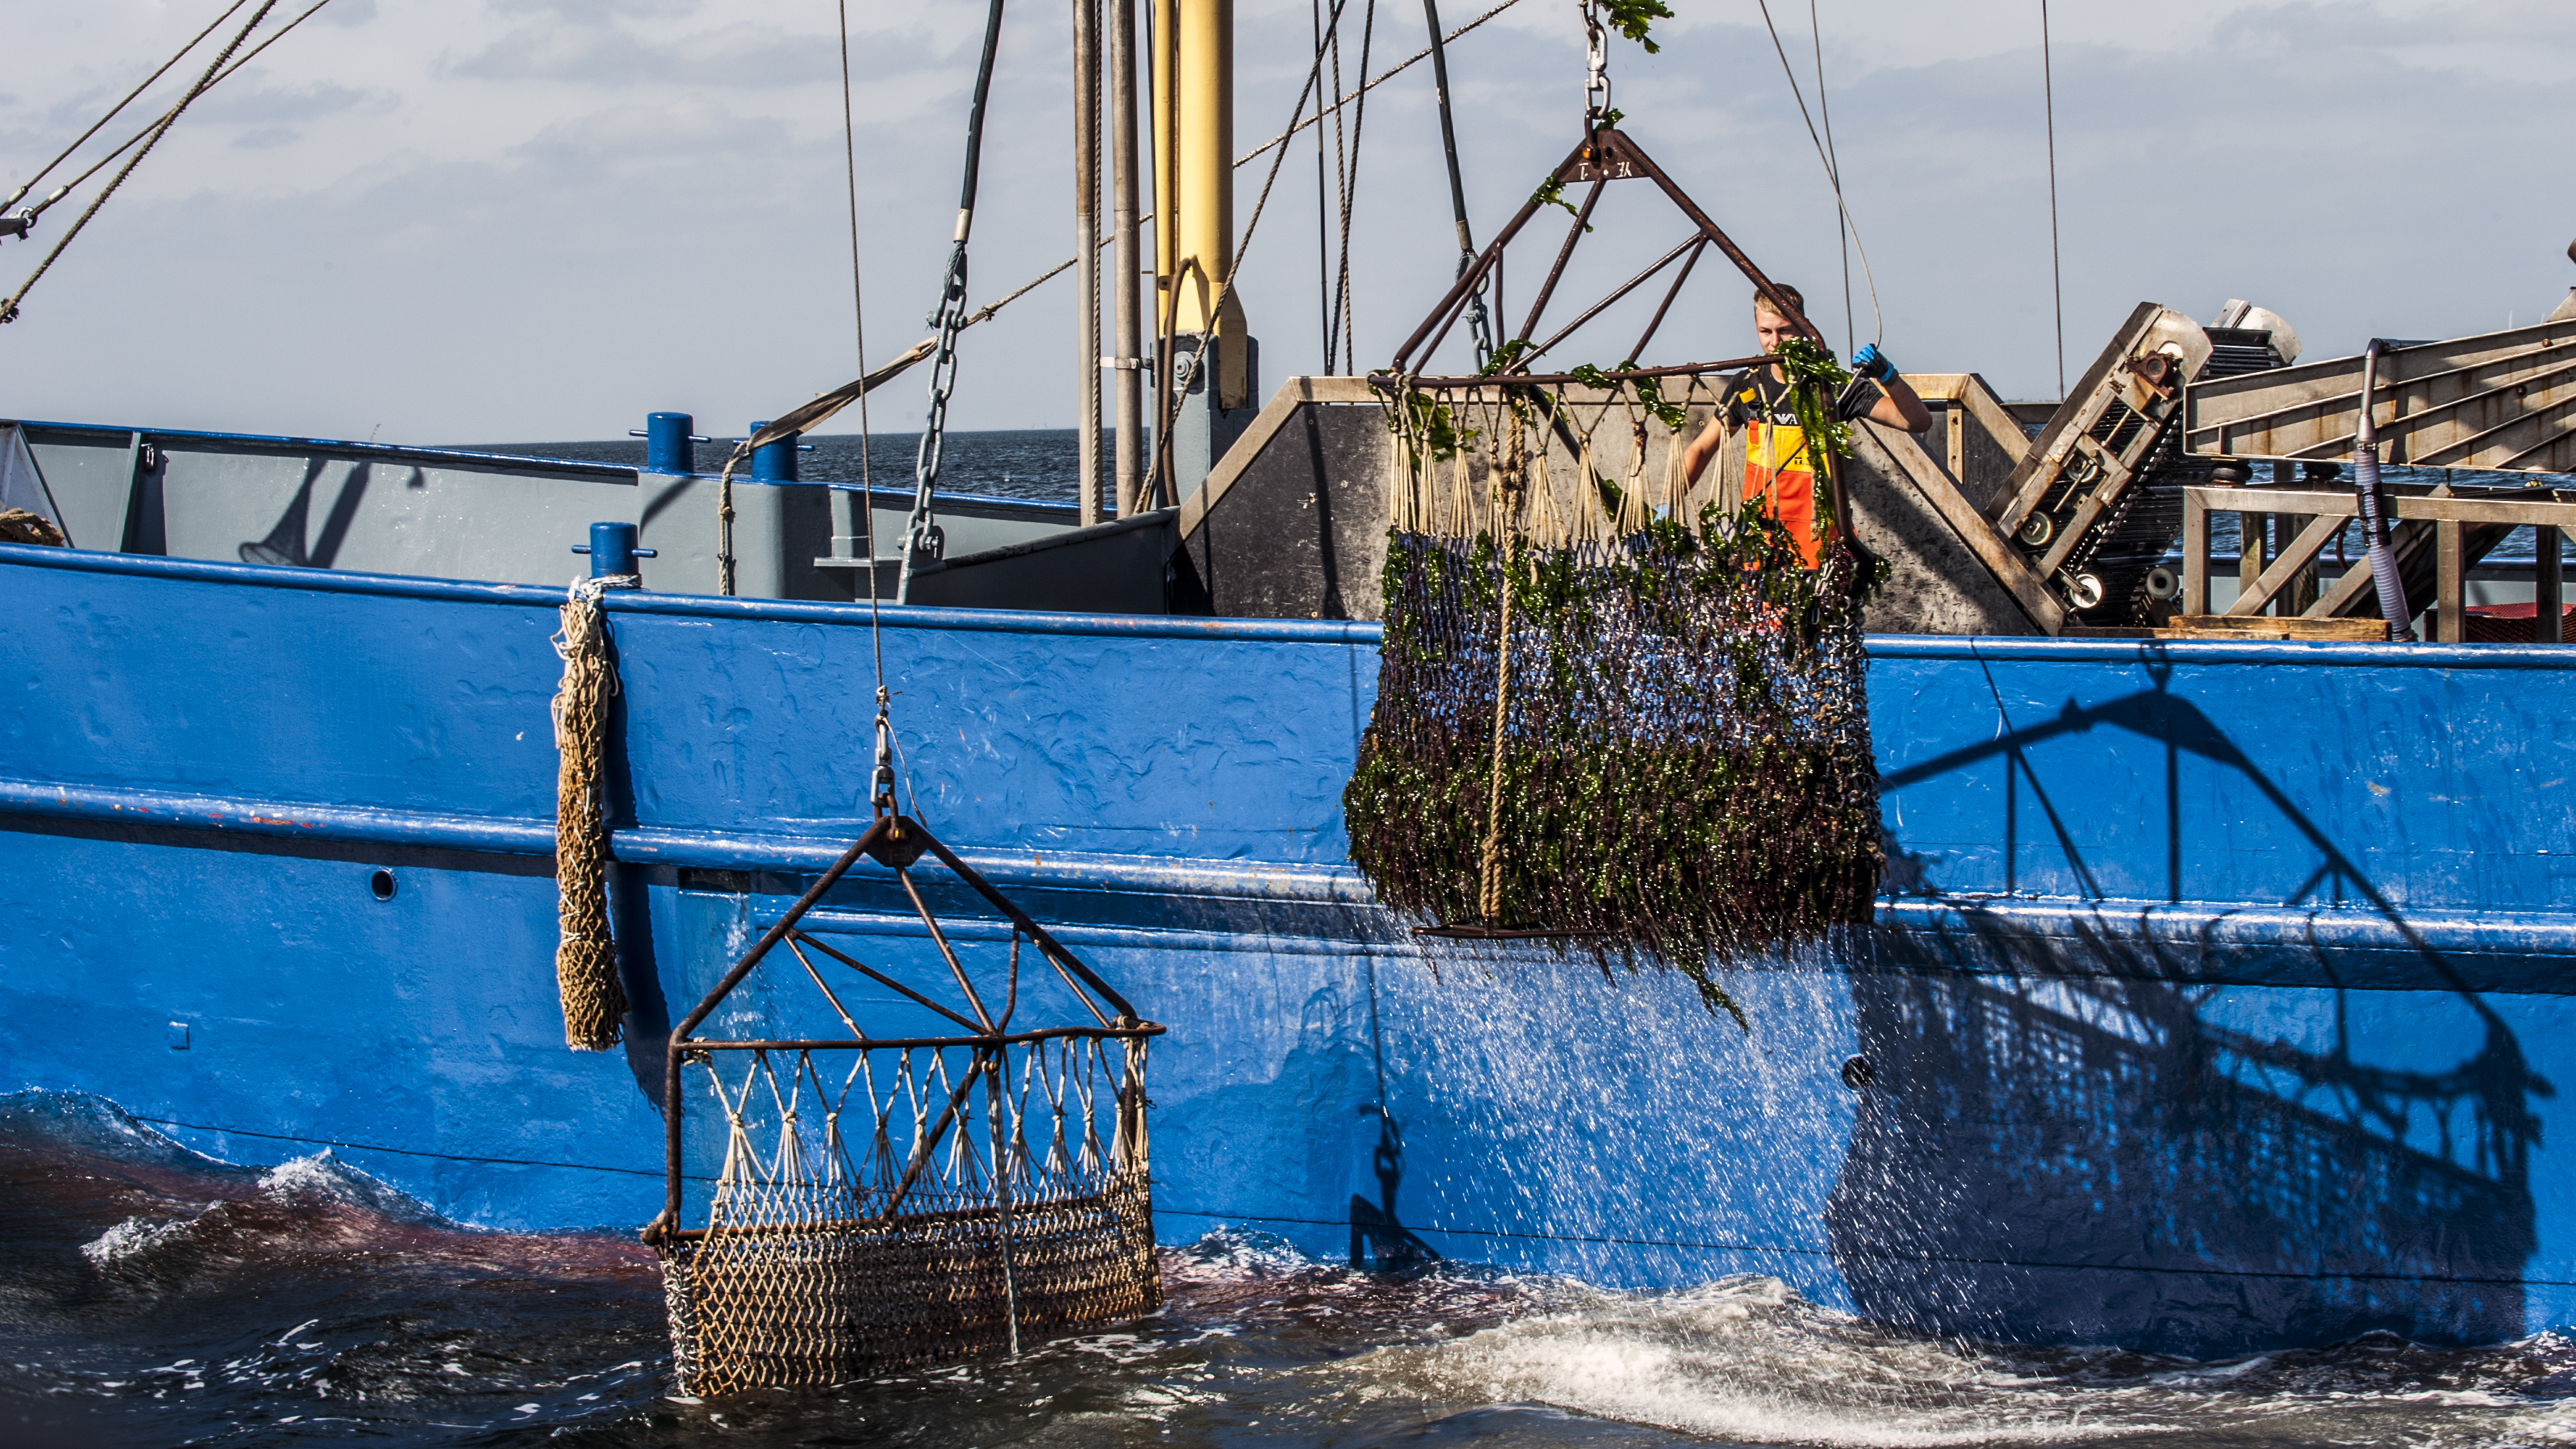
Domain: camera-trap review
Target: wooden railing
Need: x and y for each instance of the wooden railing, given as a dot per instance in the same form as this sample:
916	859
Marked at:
2271	578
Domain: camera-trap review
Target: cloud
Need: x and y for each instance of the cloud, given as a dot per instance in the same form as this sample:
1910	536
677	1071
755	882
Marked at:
626	139
596	11
541	218
738	55
279	104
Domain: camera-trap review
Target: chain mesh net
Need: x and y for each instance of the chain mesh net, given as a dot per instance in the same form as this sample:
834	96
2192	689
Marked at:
1614	706
988	1191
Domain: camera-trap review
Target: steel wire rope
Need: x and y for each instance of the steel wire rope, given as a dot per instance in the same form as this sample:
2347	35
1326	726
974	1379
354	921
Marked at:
9	308
1390	73
1833	165
1171	403
881	768
987	311
1342	308
113	111
1341	191
1480	332
1323	216
1878	318
229	71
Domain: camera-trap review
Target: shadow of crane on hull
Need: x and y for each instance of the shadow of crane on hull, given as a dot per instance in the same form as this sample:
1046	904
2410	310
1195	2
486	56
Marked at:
2064	1139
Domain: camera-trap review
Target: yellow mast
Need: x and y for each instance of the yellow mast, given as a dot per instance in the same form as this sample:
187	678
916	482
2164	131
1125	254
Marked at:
1194	181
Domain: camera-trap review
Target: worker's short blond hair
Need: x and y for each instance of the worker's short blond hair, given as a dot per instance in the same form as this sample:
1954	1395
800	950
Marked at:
1762	301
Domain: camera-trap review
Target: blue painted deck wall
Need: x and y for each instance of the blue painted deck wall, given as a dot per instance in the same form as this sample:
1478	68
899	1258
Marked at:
2222	1000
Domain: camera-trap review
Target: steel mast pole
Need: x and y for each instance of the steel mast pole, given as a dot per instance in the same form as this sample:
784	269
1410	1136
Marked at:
1086	241
1124	256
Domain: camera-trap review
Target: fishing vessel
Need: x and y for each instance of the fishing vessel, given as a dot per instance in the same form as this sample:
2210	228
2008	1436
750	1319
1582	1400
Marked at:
2215	999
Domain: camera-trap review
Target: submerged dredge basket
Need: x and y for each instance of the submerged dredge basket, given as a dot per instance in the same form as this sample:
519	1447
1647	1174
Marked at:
893	1200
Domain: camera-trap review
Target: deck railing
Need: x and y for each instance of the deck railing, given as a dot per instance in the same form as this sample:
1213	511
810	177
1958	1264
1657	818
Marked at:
2285	576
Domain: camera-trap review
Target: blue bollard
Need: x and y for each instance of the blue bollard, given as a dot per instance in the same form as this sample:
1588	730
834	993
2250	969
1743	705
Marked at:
669	446
612	549
776	462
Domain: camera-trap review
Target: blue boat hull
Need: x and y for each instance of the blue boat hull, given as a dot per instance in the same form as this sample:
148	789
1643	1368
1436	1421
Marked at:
2217	1001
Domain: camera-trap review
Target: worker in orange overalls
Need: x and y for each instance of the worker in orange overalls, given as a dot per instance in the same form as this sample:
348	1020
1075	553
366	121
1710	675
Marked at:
1779	468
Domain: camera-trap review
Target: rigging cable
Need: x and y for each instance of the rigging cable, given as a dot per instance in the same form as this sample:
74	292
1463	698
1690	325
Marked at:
1834	168
1342	307
153	128
2056	278
881	772
1341	188
1323	218
1480	330
1390	73
1878	317
903	361
113	111
9	308
947	320
1216	308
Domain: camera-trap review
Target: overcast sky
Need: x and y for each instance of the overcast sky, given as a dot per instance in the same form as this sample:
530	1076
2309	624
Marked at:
524	220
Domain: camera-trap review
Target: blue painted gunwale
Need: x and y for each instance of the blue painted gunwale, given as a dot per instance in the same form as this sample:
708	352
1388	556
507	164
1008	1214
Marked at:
191	819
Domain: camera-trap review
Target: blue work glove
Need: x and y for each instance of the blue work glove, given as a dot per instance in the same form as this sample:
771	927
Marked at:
1871	363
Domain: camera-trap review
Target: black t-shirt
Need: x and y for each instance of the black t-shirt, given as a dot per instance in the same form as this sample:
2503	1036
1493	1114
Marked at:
1755	393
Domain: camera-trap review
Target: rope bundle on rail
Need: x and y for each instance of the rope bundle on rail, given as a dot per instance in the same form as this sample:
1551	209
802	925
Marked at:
594	1002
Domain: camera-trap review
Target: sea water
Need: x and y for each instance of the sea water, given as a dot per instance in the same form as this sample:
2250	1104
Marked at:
153	1296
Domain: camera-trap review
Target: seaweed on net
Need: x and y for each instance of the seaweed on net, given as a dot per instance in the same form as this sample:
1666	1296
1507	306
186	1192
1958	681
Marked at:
1649	742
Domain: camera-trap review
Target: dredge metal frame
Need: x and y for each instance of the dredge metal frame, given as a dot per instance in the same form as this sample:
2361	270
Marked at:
954	1226
895	841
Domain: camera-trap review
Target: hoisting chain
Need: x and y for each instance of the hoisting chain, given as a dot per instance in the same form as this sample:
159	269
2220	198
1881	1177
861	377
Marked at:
921	538
922	541
1480	327
1596	74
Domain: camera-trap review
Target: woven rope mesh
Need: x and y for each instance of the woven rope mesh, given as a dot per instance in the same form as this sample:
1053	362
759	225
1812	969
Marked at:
1655	742
882	1207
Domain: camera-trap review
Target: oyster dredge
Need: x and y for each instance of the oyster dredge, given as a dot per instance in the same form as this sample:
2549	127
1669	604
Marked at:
2090	873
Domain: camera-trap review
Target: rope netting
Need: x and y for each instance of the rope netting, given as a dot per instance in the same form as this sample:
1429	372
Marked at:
1615	707
879	1207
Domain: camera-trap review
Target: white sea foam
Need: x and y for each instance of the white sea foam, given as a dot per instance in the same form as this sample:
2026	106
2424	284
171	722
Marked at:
131	1239
322	1176
1745	1359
